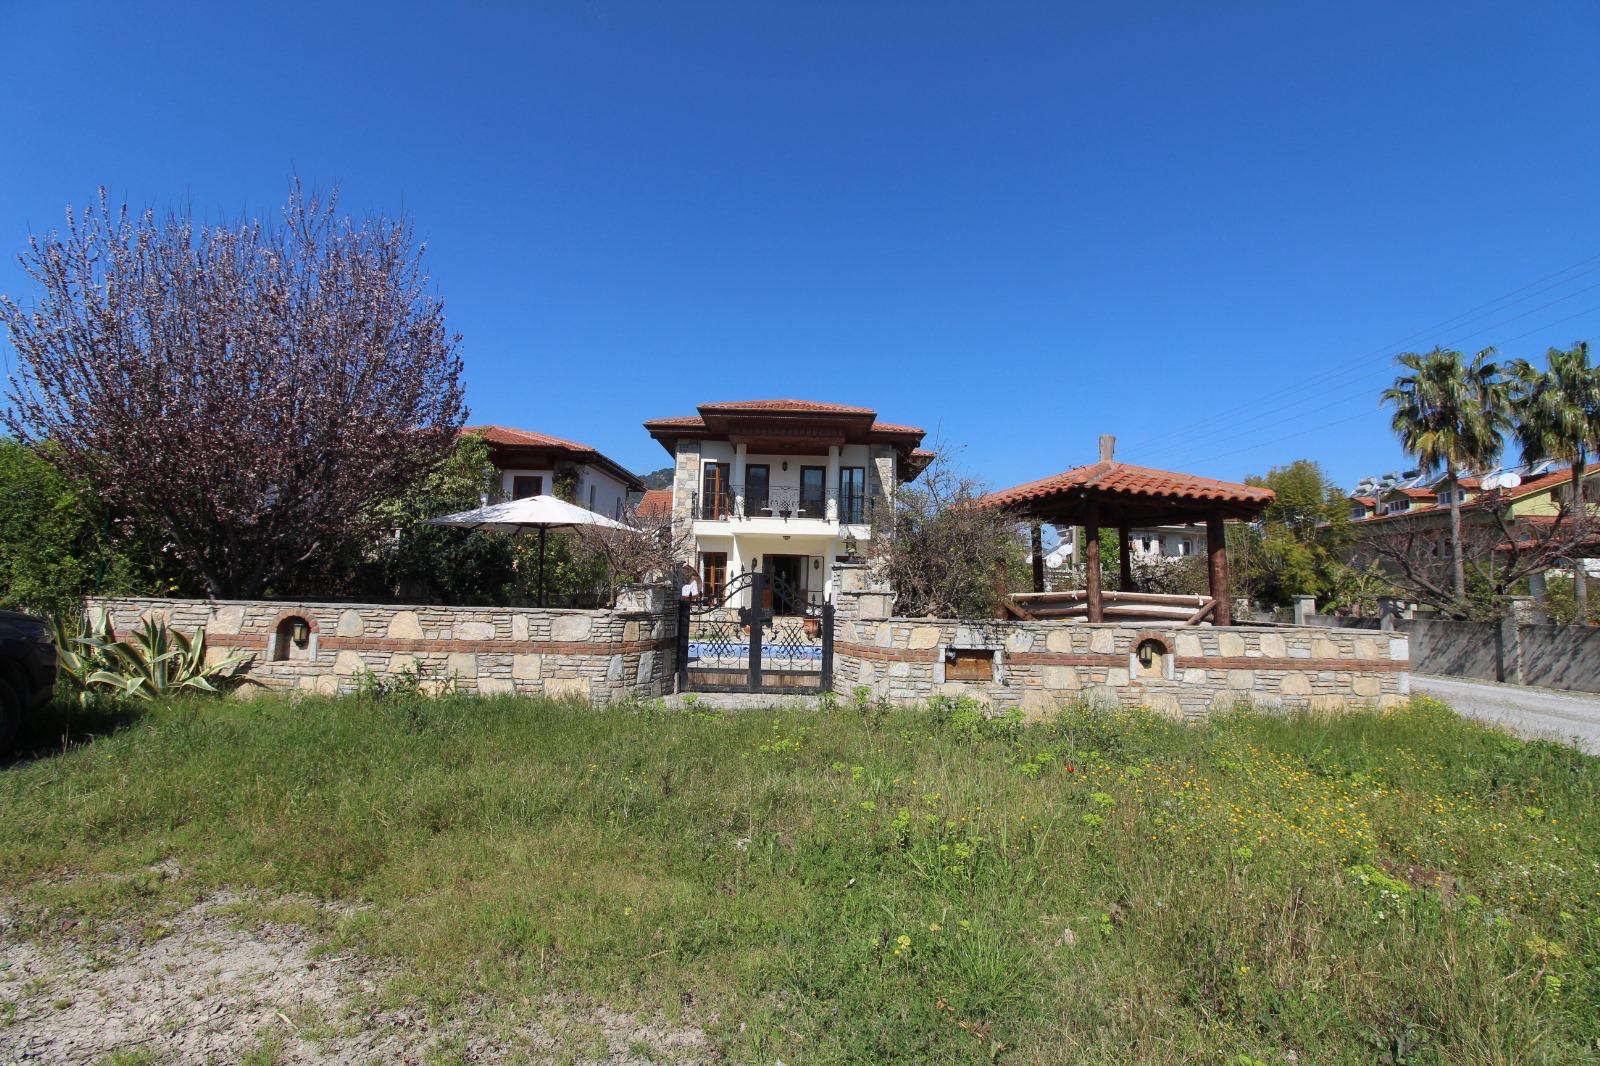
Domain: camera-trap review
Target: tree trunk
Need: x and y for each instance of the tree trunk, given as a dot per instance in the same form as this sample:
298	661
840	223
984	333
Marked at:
1457	564
1580	579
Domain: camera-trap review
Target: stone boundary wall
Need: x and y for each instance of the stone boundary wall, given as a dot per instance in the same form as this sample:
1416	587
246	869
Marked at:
599	656
1036	666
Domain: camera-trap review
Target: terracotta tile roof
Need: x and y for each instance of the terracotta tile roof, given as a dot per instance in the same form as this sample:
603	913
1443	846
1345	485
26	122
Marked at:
684	420
1543	483
797	406
1368	501
507	437
1114	478
1415	494
656	503
892	427
524	437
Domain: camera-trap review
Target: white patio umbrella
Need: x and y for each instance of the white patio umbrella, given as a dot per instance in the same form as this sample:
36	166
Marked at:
543	513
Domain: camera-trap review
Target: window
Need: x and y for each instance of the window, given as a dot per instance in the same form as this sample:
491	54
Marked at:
813	492
714	502
757	489
852	494
969	664
713	574
591	497
525	485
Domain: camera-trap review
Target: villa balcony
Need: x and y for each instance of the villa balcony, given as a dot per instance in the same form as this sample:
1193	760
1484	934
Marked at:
784	506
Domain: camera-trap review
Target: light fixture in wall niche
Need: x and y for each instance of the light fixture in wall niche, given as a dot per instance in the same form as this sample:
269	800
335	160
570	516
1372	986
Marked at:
786	464
816	564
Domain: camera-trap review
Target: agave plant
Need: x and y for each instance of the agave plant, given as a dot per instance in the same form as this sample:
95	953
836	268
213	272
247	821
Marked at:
156	661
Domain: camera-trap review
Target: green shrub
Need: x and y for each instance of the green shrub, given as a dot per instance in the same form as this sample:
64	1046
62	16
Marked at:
156	662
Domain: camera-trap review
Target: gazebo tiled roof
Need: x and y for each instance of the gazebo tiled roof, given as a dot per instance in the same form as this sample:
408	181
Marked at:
1125	478
1109	494
1123	492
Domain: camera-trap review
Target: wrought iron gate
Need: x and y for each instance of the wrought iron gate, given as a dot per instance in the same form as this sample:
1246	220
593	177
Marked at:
736	642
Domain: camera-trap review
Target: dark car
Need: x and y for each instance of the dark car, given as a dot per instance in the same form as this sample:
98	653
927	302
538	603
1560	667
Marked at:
27	670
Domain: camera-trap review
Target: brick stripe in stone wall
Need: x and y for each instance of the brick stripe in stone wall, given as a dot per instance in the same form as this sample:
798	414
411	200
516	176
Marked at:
1038	665
450	644
592	655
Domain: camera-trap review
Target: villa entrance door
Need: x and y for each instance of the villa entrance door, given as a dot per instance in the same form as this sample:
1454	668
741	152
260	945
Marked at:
786	576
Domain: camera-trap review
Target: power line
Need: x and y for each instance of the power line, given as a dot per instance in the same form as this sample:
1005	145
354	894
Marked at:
1360	414
1273	410
1455	321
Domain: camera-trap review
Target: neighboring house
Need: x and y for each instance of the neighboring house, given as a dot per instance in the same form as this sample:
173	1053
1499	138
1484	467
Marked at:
533	464
782	486
1151	541
655	503
1413	497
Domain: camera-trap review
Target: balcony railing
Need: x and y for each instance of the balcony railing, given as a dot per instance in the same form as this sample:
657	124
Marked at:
735	503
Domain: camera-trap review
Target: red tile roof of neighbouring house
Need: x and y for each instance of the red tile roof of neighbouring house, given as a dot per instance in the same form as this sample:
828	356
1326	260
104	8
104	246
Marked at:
1543	483
656	503
525	438
502	438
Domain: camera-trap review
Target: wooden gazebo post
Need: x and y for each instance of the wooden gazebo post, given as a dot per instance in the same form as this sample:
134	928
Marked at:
1038	556
1217	549
1091	562
1125	552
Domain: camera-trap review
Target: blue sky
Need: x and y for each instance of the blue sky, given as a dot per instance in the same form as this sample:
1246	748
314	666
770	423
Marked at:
1204	228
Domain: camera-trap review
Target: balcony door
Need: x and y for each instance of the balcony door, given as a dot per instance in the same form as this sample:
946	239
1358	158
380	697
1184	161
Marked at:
813	492
714	491
852	494
757	489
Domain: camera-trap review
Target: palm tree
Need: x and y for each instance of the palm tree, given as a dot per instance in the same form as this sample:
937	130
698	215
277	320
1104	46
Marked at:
1558	417
1450	414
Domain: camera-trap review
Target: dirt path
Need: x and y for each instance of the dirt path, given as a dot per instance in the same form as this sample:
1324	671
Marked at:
211	990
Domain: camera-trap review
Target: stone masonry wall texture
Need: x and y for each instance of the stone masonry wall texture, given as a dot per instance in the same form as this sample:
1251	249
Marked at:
598	656
1039	665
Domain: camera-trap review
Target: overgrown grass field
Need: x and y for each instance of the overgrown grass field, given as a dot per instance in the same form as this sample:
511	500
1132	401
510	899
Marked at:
847	883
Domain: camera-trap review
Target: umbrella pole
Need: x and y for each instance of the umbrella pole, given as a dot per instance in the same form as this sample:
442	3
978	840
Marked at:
542	532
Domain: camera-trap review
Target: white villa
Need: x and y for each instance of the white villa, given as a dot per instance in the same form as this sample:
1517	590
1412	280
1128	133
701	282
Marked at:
1175	541
527	463
785	487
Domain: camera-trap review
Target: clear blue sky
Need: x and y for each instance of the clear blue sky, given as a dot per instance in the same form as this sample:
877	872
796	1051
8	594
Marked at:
1019	225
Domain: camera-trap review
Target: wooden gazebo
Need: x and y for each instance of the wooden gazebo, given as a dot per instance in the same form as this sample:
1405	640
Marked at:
1125	497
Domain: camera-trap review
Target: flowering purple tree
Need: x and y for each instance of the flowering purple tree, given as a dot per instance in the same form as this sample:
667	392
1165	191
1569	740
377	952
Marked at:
245	392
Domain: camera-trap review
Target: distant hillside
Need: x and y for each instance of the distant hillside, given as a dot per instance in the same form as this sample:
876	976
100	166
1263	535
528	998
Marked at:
658	479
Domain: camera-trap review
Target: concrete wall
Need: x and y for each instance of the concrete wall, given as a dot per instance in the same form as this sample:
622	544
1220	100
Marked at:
1038	665
594	655
1454	649
1560	657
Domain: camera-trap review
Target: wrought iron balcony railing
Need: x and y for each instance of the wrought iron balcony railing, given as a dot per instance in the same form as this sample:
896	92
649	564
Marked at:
736	503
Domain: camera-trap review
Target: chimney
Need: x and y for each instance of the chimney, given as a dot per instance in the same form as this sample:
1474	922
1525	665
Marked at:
1108	445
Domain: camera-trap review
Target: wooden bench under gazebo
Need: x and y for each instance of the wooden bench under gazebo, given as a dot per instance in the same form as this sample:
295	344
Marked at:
1124	497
